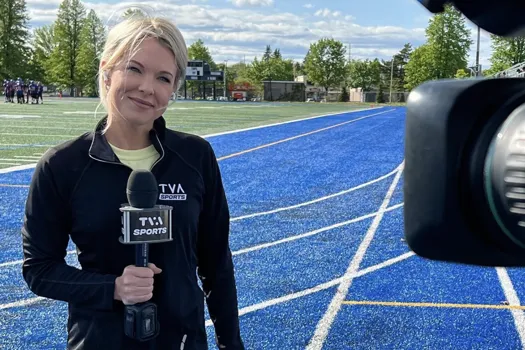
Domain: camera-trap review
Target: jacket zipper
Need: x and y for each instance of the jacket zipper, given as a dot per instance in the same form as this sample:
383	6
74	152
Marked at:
153	166
183	344
161	156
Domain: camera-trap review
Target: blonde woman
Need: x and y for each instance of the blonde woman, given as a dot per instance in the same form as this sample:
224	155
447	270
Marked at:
78	187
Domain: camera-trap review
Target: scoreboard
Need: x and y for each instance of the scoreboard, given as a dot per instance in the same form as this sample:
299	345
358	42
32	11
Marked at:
195	69
200	70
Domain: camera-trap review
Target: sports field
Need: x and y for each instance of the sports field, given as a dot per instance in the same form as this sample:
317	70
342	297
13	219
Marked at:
316	232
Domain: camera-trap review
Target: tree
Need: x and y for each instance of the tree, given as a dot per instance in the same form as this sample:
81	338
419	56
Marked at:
380	97
344	97
133	13
420	67
446	50
298	68
462	74
68	27
267	54
400	62
271	67
325	63
365	74
199	51
14	35
93	38
44	43
506	52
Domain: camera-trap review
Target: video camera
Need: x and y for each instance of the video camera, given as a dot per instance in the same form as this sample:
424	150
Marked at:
464	180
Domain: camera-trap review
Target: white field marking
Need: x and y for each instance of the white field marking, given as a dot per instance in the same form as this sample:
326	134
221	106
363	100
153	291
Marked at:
17	168
38	154
78	121
26	145
318	288
12	159
512	297
18	262
314	232
315	200
83	112
12	169
264	245
290	121
300	135
20	303
10	164
264	304
39	135
18	116
324	325
45	127
28	157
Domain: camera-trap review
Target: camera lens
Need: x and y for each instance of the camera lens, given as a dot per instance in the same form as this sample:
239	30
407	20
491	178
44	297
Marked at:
504	176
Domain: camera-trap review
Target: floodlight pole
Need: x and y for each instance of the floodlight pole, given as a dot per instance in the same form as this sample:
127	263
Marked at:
477	54
391	79
224	72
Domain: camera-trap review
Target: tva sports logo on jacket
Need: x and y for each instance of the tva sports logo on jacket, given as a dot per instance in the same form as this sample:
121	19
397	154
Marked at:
172	192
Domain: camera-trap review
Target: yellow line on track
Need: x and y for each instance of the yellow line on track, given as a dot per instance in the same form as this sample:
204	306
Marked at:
439	305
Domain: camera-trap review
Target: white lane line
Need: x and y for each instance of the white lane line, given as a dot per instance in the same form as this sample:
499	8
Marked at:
324	325
512	298
31	166
302	135
315	200
318	288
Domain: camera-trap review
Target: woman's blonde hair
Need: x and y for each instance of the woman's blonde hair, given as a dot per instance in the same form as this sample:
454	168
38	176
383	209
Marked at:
124	39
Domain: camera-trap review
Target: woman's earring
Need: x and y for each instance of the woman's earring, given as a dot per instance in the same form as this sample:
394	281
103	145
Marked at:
106	79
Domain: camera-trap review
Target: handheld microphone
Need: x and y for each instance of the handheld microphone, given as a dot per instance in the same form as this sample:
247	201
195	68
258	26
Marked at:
143	222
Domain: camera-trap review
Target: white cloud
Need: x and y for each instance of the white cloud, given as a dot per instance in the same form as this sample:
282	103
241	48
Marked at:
251	3
239	33
308	6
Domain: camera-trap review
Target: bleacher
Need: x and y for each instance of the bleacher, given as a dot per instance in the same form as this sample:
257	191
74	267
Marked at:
516	71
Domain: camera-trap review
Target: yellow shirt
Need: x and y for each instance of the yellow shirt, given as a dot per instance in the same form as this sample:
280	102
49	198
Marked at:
137	159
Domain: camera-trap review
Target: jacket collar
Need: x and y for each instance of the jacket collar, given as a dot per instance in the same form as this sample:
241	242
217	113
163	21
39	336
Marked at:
102	151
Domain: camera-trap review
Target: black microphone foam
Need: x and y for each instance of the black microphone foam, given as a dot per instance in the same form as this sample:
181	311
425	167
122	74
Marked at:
142	189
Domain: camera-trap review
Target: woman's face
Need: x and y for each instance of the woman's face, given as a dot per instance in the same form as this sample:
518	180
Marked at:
140	88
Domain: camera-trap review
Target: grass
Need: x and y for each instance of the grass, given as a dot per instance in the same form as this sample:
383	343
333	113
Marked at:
29	130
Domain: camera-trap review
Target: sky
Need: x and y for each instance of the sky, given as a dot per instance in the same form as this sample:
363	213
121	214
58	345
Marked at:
237	30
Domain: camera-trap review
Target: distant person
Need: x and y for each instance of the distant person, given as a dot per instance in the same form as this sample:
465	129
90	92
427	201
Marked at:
78	187
40	91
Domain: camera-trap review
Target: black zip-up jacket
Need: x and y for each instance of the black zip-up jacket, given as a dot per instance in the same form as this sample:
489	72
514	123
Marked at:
76	191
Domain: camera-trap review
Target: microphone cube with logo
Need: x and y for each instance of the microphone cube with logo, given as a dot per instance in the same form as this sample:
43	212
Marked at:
143	223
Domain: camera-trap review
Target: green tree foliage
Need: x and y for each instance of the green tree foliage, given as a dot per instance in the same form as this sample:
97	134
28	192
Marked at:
92	38
398	72
199	51
14	37
133	13
272	66
462	74
44	44
446	50
365	74
325	63
506	52
344	96
64	58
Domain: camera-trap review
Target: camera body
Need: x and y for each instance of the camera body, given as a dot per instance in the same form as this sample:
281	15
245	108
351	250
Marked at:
499	17
464	181
451	126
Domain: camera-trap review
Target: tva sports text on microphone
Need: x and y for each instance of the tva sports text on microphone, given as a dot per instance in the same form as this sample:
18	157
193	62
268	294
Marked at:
152	225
